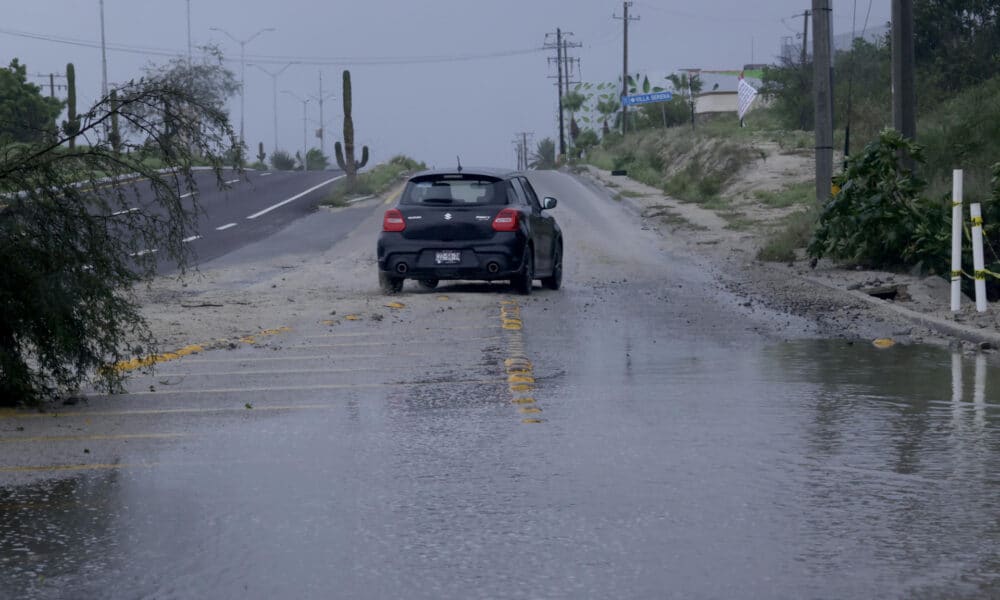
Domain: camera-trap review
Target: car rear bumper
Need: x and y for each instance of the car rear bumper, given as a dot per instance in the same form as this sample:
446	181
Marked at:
499	258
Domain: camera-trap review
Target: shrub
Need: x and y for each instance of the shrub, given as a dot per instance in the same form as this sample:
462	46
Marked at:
878	219
282	161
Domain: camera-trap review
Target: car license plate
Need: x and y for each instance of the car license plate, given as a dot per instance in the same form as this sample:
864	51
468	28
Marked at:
448	257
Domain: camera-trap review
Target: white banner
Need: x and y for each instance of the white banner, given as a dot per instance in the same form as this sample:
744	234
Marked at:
747	94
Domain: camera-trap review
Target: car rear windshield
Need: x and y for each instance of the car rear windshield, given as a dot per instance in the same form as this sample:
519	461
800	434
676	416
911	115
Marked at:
451	190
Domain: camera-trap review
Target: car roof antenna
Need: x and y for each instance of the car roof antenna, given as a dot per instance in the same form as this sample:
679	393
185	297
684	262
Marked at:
459	163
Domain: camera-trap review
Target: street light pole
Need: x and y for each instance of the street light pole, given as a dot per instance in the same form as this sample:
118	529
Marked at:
274	88
104	57
305	118
243	69
322	124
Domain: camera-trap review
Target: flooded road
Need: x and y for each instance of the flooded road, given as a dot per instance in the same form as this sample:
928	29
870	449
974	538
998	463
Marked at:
635	435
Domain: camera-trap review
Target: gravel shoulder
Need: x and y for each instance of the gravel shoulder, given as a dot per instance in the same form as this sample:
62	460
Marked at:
843	302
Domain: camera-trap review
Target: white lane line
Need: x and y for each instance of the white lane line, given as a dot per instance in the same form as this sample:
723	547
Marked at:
295	197
144	252
187	195
191	239
225	227
266	174
360	199
232	181
124	212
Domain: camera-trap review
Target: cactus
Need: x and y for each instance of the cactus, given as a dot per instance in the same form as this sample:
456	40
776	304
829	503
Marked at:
260	152
345	154
116	137
71	126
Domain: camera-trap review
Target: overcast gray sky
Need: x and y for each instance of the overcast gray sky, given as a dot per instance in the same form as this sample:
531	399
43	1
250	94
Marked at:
431	111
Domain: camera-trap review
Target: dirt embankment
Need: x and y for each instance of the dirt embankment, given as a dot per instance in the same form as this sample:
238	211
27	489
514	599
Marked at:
762	198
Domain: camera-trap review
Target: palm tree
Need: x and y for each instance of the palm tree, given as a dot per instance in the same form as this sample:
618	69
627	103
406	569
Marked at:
544	156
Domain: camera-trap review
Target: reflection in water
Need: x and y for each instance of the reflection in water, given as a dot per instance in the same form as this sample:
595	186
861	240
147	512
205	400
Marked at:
902	461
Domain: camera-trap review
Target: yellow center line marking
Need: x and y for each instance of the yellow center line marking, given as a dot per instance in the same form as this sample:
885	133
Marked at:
520	371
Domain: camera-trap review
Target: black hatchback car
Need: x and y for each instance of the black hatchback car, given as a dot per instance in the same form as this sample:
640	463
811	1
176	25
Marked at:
470	224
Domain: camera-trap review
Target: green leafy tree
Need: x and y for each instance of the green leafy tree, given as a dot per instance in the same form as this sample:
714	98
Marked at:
788	86
25	114
71	251
208	83
955	42
544	156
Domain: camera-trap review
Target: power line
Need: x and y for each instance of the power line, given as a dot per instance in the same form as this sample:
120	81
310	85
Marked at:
282	59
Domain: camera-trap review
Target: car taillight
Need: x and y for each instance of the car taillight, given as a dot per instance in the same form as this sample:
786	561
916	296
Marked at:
506	220
393	220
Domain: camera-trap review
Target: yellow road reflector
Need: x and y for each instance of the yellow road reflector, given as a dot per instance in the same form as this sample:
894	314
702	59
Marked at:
520	379
529	410
353	318
248	339
443	298
532	421
328	322
510	362
884	343
522	387
396	305
524	400
277	331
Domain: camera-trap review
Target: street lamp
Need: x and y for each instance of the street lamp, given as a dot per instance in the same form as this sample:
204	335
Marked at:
305	119
243	67
322	124
274	87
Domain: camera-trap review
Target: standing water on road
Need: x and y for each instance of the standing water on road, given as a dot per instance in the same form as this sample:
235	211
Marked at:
803	469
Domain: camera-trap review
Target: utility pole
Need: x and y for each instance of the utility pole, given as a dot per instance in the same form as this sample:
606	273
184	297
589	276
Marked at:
558	47
625	19
104	57
904	117
274	88
521	143
823	92
805	37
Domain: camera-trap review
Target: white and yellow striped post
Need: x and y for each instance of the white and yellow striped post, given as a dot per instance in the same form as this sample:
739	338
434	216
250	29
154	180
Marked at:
978	260
956	241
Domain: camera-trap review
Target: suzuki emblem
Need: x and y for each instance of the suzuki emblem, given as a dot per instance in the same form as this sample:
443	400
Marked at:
447	216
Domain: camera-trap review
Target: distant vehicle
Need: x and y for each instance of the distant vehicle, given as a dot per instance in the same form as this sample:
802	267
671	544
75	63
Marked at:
470	224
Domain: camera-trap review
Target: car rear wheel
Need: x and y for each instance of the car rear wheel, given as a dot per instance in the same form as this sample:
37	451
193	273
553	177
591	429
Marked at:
390	284
554	281
523	280
427	284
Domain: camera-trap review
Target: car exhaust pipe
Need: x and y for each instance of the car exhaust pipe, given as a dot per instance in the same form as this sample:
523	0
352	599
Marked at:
493	268
401	268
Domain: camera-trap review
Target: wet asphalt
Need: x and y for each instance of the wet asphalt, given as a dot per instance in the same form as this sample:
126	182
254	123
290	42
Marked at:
634	435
